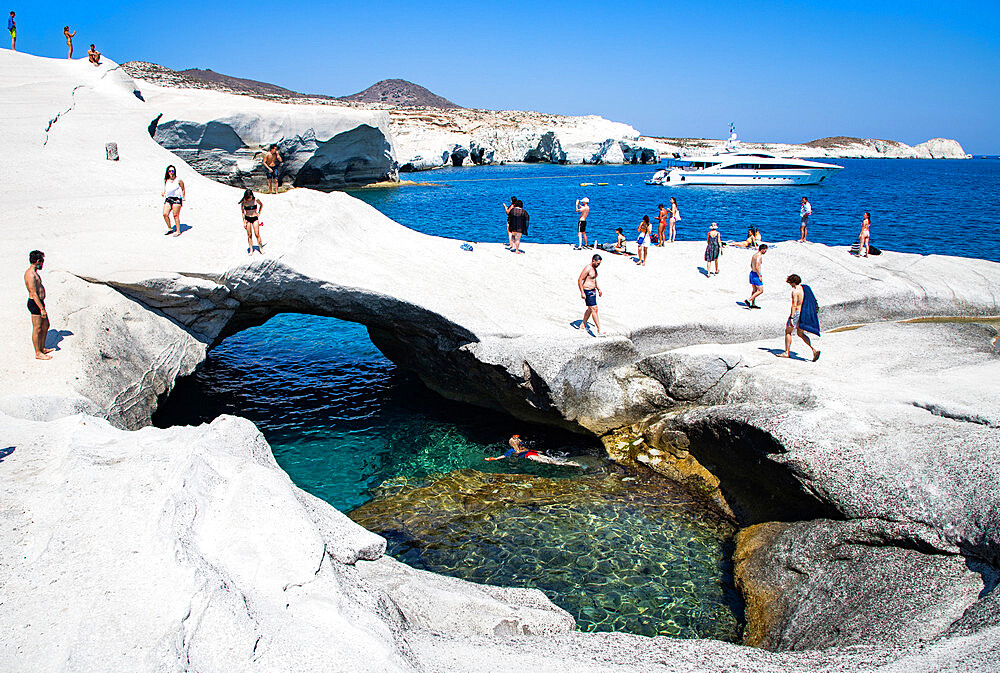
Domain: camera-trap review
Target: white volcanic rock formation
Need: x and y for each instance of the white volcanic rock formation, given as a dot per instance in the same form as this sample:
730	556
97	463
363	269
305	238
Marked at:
224	135
423	137
839	147
187	548
430	138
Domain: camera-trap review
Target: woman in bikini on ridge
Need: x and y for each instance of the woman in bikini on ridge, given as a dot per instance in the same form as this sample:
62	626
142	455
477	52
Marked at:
69	39
865	236
251	207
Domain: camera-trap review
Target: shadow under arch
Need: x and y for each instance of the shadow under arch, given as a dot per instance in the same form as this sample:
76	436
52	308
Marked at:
423	342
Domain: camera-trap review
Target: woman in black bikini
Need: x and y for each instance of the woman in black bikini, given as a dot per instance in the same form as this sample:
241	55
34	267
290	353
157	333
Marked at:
251	207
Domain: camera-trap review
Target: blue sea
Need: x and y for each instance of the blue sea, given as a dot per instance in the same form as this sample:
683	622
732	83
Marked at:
930	206
348	426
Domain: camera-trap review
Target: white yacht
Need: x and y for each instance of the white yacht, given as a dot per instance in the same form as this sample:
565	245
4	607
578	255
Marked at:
736	166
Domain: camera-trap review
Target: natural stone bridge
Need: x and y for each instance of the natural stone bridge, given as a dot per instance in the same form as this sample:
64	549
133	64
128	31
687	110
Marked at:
890	439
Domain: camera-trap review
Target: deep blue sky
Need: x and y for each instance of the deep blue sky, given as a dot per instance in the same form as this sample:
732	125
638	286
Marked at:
783	71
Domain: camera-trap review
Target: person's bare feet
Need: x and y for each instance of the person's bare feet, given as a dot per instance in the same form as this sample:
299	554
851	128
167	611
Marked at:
48	350
42	356
783	355
816	355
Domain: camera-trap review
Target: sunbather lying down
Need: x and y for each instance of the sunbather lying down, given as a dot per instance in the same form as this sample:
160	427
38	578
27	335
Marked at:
519	450
753	239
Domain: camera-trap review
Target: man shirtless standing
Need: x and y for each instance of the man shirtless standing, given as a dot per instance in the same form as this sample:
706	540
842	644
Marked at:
756	276
271	161
582	207
794	318
590	291
36	305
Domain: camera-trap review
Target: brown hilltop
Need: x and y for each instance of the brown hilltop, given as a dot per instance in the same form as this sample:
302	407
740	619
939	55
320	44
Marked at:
400	92
390	92
238	84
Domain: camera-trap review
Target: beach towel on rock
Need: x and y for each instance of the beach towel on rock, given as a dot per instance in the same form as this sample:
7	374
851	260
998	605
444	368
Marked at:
809	318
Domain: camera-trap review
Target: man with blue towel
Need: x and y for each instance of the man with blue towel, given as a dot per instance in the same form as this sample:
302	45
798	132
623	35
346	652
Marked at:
803	317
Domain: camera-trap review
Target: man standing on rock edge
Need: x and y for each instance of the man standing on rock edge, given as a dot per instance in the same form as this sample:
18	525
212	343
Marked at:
582	207
756	276
12	29
36	305
804	212
271	161
803	316
589	291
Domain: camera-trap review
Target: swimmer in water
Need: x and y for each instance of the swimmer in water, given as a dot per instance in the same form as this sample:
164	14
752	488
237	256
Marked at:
519	450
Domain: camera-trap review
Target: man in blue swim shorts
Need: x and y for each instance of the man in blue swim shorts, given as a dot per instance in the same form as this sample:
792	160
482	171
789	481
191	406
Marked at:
756	277
271	160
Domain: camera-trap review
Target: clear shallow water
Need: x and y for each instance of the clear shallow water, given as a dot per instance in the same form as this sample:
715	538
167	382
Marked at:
923	206
619	553
347	425
342	419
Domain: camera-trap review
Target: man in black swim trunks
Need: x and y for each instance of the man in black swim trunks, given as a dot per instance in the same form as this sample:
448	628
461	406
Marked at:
582	207
36	305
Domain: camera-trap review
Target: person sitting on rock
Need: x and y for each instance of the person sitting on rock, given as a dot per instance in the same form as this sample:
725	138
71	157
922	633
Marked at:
753	239
94	56
620	244
519	450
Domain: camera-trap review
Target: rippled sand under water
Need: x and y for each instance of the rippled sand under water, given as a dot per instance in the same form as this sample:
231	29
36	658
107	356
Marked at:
617	552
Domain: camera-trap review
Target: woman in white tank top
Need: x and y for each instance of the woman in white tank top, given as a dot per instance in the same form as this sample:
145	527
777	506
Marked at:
174	195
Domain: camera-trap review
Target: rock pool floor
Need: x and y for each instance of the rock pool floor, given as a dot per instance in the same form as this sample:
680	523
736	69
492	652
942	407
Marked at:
618	552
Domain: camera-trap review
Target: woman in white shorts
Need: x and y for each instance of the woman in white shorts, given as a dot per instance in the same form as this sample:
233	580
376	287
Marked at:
645	234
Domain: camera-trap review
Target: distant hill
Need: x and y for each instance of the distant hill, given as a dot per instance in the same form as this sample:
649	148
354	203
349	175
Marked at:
400	92
838	141
387	92
238	84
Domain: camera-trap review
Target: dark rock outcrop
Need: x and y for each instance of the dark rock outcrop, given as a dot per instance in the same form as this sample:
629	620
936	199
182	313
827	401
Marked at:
323	147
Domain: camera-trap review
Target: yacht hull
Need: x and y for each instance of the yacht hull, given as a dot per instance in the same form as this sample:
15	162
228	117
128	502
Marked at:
680	177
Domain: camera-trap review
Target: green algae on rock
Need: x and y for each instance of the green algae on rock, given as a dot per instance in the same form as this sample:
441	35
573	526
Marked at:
618	552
